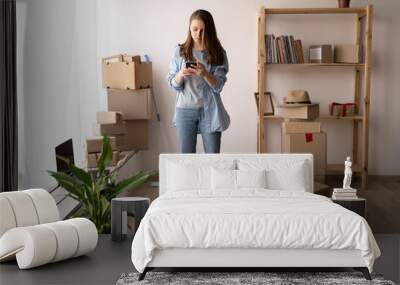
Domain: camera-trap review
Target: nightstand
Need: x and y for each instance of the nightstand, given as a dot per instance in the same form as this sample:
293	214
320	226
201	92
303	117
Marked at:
358	205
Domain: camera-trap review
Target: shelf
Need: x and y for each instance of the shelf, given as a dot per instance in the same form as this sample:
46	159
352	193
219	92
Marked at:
349	118
360	11
339	168
357	65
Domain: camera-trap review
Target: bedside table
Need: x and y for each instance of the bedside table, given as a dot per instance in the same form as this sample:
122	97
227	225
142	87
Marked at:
358	205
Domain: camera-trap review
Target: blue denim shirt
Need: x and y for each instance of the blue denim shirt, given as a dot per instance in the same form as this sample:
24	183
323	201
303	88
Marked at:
216	117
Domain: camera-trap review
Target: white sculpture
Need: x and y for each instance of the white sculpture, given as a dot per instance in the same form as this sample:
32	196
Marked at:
347	173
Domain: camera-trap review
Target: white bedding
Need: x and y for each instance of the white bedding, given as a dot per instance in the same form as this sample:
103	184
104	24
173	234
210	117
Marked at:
251	218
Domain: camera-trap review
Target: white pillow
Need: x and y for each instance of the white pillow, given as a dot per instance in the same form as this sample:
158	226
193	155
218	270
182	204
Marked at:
223	179
227	179
193	174
281	174
251	178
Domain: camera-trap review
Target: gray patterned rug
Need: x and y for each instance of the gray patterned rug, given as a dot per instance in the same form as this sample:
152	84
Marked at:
232	278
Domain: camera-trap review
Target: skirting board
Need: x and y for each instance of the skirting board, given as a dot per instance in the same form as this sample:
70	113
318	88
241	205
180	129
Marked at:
178	257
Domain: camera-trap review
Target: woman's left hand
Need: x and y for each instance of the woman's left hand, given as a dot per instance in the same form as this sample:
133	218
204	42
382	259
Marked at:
200	68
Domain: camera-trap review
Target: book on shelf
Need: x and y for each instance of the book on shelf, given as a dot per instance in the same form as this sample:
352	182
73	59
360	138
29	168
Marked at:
337	196
341	190
283	49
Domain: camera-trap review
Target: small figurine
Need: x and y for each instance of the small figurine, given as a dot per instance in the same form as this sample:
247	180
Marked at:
347	173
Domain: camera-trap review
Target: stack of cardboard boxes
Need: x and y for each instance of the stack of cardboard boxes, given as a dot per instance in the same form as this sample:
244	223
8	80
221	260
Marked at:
301	133
128	82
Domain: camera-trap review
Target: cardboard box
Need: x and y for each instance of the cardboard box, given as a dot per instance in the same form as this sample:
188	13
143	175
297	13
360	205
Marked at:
110	129
126	72
295	127
314	143
137	135
93	158
320	54
347	53
306	112
134	104
94	145
109	117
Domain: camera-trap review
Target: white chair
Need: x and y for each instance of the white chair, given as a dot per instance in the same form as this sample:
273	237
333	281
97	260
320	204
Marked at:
31	230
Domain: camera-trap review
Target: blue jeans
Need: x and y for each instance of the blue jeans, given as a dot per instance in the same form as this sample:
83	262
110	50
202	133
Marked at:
190	122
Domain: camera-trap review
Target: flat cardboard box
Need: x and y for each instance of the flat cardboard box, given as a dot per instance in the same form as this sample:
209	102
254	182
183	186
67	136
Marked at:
294	127
126	72
305	112
110	129
134	104
137	135
347	53
95	144
297	143
93	158
109	117
320	54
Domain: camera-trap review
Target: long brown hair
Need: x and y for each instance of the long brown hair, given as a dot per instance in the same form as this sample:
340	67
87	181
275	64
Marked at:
214	52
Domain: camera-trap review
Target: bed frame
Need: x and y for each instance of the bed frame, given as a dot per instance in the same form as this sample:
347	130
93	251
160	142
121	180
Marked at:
242	259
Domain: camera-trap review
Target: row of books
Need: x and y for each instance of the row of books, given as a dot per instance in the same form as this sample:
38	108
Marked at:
344	194
283	49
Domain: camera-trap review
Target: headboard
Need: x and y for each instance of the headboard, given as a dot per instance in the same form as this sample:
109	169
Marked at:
209	158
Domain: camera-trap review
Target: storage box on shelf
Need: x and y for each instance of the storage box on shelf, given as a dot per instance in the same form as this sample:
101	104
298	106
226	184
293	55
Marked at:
347	53
360	163
308	112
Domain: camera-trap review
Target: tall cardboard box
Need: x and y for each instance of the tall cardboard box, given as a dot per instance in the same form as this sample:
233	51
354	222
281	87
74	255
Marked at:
305	112
314	143
134	104
136	136
126	72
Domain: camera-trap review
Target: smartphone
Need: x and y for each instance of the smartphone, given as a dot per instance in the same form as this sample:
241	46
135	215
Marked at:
191	64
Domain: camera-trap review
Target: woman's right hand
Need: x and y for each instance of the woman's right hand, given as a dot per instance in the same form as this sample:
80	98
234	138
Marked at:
184	72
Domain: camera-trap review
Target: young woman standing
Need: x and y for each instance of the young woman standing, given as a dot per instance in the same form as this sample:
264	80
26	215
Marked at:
198	73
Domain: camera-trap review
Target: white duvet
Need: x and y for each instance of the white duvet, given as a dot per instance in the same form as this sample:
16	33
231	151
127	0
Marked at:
250	219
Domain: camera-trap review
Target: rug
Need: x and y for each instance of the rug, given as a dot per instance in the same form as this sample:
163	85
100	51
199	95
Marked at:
244	278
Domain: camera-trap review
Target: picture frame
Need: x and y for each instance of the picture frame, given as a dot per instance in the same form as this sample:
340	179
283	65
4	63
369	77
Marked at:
267	95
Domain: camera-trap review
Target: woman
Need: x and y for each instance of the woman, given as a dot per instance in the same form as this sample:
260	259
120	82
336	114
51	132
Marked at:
198	73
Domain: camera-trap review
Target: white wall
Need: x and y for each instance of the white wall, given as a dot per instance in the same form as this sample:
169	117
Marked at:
57	81
154	27
64	41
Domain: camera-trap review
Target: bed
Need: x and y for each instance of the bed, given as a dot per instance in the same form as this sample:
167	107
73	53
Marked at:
247	210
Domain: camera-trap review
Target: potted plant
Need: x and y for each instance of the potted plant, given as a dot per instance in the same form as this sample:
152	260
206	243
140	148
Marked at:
95	194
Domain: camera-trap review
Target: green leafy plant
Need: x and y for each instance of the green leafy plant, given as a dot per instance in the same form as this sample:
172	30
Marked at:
95	193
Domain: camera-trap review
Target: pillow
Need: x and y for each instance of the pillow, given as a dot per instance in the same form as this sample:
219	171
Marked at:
193	174
281	174
227	179
223	179
251	178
